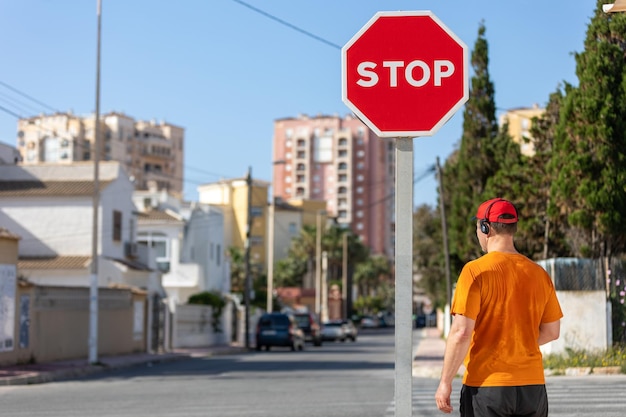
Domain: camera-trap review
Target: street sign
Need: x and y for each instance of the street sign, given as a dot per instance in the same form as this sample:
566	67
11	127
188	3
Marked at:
404	74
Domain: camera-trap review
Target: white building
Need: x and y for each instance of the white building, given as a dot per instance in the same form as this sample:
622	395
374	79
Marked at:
51	208
188	243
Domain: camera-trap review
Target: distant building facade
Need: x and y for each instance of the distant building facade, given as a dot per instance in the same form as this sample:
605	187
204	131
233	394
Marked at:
340	161
148	151
238	200
520	121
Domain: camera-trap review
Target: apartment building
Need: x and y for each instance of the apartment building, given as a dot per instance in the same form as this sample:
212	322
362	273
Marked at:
148	151
520	121
342	162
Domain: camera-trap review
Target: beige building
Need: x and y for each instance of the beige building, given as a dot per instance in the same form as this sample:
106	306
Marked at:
148	151
520	121
342	162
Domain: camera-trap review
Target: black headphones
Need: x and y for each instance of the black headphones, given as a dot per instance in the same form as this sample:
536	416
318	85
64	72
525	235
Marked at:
484	223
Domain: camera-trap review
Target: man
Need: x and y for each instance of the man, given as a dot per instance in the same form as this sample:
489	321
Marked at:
504	308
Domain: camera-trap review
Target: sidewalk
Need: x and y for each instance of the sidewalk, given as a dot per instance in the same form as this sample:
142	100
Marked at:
428	352
427	361
53	371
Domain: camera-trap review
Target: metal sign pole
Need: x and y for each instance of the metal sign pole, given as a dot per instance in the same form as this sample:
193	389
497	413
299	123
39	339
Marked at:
404	277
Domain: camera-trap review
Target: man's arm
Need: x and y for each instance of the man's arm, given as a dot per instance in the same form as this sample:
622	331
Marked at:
456	349
549	332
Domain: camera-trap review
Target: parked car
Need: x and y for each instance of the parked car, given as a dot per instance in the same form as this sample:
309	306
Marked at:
311	328
333	331
278	329
369	322
350	330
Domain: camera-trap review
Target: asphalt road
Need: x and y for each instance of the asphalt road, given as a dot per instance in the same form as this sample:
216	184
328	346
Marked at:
338	379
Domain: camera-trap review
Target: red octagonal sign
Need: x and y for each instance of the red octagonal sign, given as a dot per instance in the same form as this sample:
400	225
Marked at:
404	74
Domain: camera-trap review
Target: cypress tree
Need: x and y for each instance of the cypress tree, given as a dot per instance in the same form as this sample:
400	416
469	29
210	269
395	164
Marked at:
590	147
466	172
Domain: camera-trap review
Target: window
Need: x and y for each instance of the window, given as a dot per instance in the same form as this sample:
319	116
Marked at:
158	243
342	153
300	167
301	143
343	178
300	178
218	255
342	190
293	229
342	166
117	225
343	142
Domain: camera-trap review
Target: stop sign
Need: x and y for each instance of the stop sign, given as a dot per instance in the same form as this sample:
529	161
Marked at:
404	74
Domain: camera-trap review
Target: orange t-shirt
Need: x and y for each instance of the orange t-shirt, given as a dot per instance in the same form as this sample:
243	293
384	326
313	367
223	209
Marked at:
508	296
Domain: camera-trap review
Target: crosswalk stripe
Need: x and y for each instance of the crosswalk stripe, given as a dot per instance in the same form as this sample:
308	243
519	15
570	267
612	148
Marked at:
567	396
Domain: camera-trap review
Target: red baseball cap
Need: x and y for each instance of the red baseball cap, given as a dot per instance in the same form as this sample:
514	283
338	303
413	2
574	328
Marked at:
492	211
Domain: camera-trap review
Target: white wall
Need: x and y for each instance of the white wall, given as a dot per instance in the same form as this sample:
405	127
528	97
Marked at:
49	226
116	196
585	324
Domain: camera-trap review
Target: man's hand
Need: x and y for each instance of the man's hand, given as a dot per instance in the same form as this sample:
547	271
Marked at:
442	397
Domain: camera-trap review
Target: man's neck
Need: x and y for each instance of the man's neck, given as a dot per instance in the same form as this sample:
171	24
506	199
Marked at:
501	243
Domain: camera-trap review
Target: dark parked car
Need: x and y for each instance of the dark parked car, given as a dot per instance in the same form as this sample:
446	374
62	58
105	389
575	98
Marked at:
278	329
311	328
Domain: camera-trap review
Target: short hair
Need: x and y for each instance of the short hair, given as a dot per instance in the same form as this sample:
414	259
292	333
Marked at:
504	228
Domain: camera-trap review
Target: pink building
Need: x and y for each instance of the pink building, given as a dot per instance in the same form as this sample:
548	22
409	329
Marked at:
340	161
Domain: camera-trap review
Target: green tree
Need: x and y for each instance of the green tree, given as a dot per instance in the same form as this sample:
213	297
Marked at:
467	171
371	274
539	235
428	254
237	269
590	146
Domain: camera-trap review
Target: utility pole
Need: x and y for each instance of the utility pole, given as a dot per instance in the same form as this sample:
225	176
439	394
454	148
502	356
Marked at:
324	286
444	232
247	286
318	263
93	288
270	257
344	277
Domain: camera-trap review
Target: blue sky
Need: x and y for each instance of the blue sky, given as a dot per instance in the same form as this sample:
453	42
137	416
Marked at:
225	72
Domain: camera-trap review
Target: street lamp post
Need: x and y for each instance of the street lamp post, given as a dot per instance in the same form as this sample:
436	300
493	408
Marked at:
344	277
270	257
93	288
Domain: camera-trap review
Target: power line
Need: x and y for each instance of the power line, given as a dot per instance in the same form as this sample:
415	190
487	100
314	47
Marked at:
21	93
289	25
4	109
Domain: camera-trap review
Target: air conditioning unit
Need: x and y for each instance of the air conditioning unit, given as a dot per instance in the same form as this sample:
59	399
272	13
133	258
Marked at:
131	250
